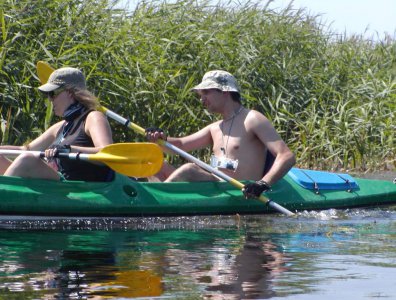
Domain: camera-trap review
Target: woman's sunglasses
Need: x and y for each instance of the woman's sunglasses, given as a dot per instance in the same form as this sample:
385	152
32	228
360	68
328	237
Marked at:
55	93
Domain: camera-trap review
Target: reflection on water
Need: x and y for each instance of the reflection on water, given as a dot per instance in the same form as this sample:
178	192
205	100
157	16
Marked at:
351	252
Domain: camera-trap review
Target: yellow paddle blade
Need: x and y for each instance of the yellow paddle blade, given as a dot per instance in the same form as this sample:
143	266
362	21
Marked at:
44	71
131	159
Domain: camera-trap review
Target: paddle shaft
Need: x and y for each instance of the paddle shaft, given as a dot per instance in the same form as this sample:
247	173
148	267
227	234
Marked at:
74	156
193	159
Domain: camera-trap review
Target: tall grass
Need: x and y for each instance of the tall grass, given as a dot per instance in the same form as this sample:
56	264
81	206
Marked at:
332	98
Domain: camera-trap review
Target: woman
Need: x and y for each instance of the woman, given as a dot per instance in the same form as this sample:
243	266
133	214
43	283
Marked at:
83	130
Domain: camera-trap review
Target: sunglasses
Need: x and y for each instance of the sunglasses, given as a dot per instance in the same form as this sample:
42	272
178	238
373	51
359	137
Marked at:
55	93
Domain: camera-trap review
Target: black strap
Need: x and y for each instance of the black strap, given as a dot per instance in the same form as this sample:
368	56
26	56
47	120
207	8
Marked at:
347	182
315	184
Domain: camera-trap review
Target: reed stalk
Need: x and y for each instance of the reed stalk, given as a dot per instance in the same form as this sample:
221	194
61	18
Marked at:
331	97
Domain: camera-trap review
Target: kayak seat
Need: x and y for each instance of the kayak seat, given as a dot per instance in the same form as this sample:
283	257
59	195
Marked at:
269	161
317	180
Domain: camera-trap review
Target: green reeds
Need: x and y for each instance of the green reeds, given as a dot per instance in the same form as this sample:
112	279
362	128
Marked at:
332	98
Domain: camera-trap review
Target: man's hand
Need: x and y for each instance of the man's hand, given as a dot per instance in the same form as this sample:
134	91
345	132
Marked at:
255	189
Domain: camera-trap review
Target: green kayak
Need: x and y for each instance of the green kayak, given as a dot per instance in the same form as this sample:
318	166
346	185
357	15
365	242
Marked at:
123	197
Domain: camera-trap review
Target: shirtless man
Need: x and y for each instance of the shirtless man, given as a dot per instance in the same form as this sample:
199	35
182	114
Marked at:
240	141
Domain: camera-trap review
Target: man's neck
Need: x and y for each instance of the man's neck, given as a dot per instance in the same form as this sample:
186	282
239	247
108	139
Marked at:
232	111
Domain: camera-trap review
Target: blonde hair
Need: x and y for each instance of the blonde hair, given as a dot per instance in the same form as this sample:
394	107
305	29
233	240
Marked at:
83	96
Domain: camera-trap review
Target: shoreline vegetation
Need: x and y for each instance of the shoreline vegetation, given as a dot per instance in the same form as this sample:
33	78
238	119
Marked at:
331	97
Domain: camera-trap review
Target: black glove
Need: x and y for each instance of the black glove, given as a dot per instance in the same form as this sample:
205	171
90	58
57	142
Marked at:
255	189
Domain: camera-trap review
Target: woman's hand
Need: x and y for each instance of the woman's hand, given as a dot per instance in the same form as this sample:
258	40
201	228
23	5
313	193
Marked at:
155	133
53	152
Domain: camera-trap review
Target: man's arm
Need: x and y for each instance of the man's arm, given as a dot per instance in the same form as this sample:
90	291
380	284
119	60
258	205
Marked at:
284	158
284	161
198	140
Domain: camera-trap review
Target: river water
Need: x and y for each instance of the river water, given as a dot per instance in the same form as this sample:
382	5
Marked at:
332	254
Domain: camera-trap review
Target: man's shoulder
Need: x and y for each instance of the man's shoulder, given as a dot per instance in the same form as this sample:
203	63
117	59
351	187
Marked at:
214	124
254	112
254	115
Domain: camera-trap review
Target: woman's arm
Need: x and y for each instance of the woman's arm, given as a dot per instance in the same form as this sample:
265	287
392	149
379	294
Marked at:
40	143
98	128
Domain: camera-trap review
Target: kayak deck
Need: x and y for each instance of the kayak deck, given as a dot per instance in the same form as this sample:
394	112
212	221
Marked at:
124	197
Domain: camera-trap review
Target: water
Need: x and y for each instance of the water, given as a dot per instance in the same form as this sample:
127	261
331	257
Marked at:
332	254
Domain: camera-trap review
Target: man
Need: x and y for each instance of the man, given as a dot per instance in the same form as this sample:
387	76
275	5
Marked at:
241	140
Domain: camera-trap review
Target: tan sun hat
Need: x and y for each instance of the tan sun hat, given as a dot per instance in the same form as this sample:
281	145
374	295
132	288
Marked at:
220	80
64	76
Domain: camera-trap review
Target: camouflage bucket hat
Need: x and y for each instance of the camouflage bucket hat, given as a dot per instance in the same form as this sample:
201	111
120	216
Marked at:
64	76
220	80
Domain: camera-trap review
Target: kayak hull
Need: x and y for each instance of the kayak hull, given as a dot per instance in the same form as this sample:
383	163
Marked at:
124	197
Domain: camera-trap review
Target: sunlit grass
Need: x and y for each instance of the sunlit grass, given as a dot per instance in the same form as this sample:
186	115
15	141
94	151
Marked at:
332	98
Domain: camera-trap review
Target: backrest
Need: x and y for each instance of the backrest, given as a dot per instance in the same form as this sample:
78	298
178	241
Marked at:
316	180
